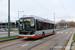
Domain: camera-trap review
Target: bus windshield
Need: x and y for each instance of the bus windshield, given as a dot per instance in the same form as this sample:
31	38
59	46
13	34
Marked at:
27	24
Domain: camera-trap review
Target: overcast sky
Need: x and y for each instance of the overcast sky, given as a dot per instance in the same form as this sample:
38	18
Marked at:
63	9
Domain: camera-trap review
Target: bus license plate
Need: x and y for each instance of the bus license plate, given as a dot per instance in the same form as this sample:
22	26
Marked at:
25	37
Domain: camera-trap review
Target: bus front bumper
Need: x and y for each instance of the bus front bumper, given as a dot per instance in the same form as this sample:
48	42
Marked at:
27	36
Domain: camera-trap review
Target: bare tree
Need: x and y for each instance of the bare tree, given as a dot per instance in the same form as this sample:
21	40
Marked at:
62	22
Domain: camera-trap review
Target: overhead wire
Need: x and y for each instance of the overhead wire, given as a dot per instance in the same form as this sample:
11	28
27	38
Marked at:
38	3
45	7
41	5
64	9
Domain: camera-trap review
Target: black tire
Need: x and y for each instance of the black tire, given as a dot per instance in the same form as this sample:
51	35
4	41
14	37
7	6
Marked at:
53	32
43	35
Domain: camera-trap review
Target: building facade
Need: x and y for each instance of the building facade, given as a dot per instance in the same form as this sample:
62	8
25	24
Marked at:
12	25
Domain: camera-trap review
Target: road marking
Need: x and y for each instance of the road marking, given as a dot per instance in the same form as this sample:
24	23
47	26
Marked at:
61	32
57	32
13	43
25	44
71	32
66	32
44	38
37	40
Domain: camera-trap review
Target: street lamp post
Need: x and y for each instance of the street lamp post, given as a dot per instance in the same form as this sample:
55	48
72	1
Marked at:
54	17
6	23
8	18
15	22
1	25
54	21
19	12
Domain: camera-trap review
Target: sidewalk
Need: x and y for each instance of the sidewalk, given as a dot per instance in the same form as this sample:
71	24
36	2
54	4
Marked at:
73	46
73	43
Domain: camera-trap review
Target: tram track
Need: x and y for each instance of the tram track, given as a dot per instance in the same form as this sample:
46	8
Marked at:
22	41
46	40
13	39
58	42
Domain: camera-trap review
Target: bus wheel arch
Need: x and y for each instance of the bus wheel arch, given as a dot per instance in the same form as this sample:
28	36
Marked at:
43	35
53	32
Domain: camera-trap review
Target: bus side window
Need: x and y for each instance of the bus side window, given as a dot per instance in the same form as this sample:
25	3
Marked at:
43	26
51	26
39	26
48	26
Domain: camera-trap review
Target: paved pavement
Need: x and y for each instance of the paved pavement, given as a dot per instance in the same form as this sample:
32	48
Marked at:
55	42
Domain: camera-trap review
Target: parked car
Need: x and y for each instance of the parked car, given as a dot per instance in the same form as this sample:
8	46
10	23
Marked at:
6	29
15	29
2	30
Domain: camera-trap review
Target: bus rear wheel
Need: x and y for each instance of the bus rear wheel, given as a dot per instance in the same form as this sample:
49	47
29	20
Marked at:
53	32
43	35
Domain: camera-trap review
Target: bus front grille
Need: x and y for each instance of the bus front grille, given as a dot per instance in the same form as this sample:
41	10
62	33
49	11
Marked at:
26	33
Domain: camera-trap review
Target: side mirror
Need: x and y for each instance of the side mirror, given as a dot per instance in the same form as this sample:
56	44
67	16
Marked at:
37	21
18	24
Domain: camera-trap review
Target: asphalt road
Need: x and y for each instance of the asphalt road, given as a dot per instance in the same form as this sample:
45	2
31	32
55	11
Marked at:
5	35
52	42
11	34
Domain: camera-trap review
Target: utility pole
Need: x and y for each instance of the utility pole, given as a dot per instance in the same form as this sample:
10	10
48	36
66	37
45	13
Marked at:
54	20
6	22
1	25
54	17
15	22
8	18
19	12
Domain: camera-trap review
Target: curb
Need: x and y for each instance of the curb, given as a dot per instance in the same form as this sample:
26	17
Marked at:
59	29
68	47
72	43
8	39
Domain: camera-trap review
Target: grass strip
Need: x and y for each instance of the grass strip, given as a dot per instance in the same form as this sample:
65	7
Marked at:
16	31
4	38
74	36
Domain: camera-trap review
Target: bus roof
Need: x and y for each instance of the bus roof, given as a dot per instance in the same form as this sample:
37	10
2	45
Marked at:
40	19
